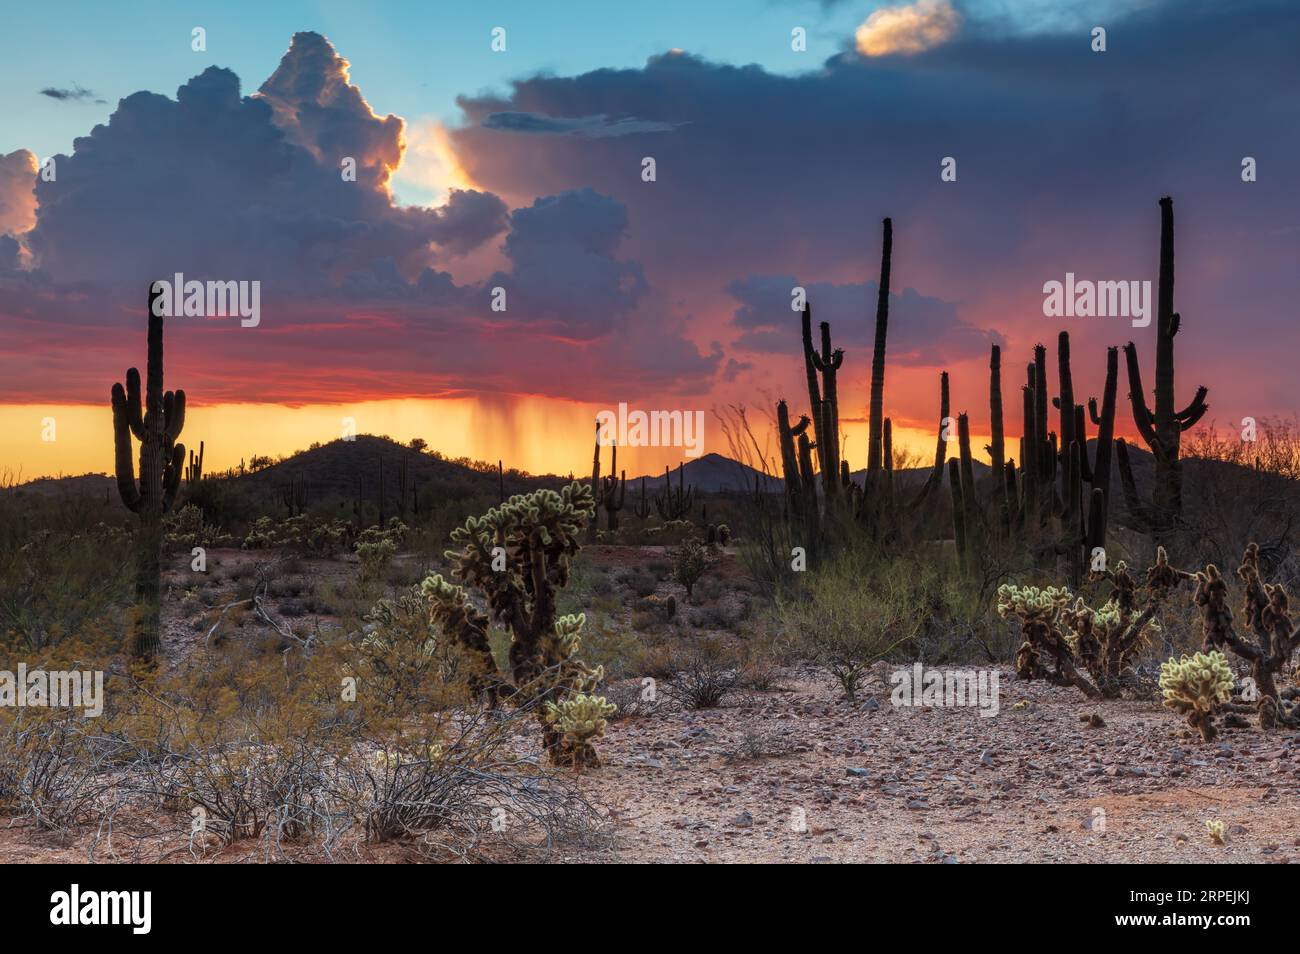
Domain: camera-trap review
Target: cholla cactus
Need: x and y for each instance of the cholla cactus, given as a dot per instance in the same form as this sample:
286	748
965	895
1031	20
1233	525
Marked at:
1215	828
518	555
1194	685
1030	602
1040	611
579	719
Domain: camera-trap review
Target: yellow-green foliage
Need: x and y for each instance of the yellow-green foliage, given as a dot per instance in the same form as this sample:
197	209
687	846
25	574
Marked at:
305	533
184	529
1215	828
581	718
1030	602
1196	682
1108	621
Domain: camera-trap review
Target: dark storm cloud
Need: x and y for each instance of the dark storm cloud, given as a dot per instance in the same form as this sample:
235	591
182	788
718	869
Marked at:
592	127
1061	155
923	330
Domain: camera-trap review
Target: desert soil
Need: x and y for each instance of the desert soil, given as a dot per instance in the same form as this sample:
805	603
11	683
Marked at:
797	774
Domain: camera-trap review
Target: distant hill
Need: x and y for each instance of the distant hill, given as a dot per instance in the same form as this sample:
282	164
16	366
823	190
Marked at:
344	468
711	474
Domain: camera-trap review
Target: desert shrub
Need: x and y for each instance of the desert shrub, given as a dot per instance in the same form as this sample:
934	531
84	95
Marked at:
704	675
690	560
59	583
844	626
53	767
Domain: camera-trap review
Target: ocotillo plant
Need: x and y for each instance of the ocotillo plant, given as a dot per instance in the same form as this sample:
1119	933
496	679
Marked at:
161	460
677	504
1162	429
613	492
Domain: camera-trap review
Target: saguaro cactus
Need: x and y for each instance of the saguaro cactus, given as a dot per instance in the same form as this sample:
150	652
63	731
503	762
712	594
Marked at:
194	469
875	435
161	462
1162	429
676	504
613	491
828	362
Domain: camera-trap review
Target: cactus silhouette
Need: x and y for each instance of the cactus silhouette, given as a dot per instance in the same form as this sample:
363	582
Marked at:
1162	428
875	447
156	426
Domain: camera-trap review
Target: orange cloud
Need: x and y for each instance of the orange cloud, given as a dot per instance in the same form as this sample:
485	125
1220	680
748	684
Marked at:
909	29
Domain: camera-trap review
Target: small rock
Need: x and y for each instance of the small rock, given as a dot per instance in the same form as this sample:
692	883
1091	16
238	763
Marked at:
743	820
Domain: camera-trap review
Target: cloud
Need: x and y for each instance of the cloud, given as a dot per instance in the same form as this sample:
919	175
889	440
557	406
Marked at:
923	331
17	198
771	174
75	94
242	187
357	299
564	273
592	127
913	28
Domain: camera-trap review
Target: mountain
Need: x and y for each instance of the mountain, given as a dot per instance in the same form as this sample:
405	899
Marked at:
710	474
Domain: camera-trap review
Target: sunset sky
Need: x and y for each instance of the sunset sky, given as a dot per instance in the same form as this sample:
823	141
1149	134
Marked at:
522	169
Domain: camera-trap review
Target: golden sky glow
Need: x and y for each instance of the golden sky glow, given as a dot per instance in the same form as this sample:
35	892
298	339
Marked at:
536	434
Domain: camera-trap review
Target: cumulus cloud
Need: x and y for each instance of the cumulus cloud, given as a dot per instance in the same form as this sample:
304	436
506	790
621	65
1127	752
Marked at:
17	196
356	296
913	28
246	187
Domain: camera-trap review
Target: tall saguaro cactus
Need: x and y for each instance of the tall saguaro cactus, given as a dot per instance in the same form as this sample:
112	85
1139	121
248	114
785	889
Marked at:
875	432
162	461
1163	429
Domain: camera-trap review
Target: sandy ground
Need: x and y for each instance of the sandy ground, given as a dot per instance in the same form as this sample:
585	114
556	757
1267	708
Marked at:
798	776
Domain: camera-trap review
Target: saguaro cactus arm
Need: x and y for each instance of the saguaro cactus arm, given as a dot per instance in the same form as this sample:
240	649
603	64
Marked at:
122	430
